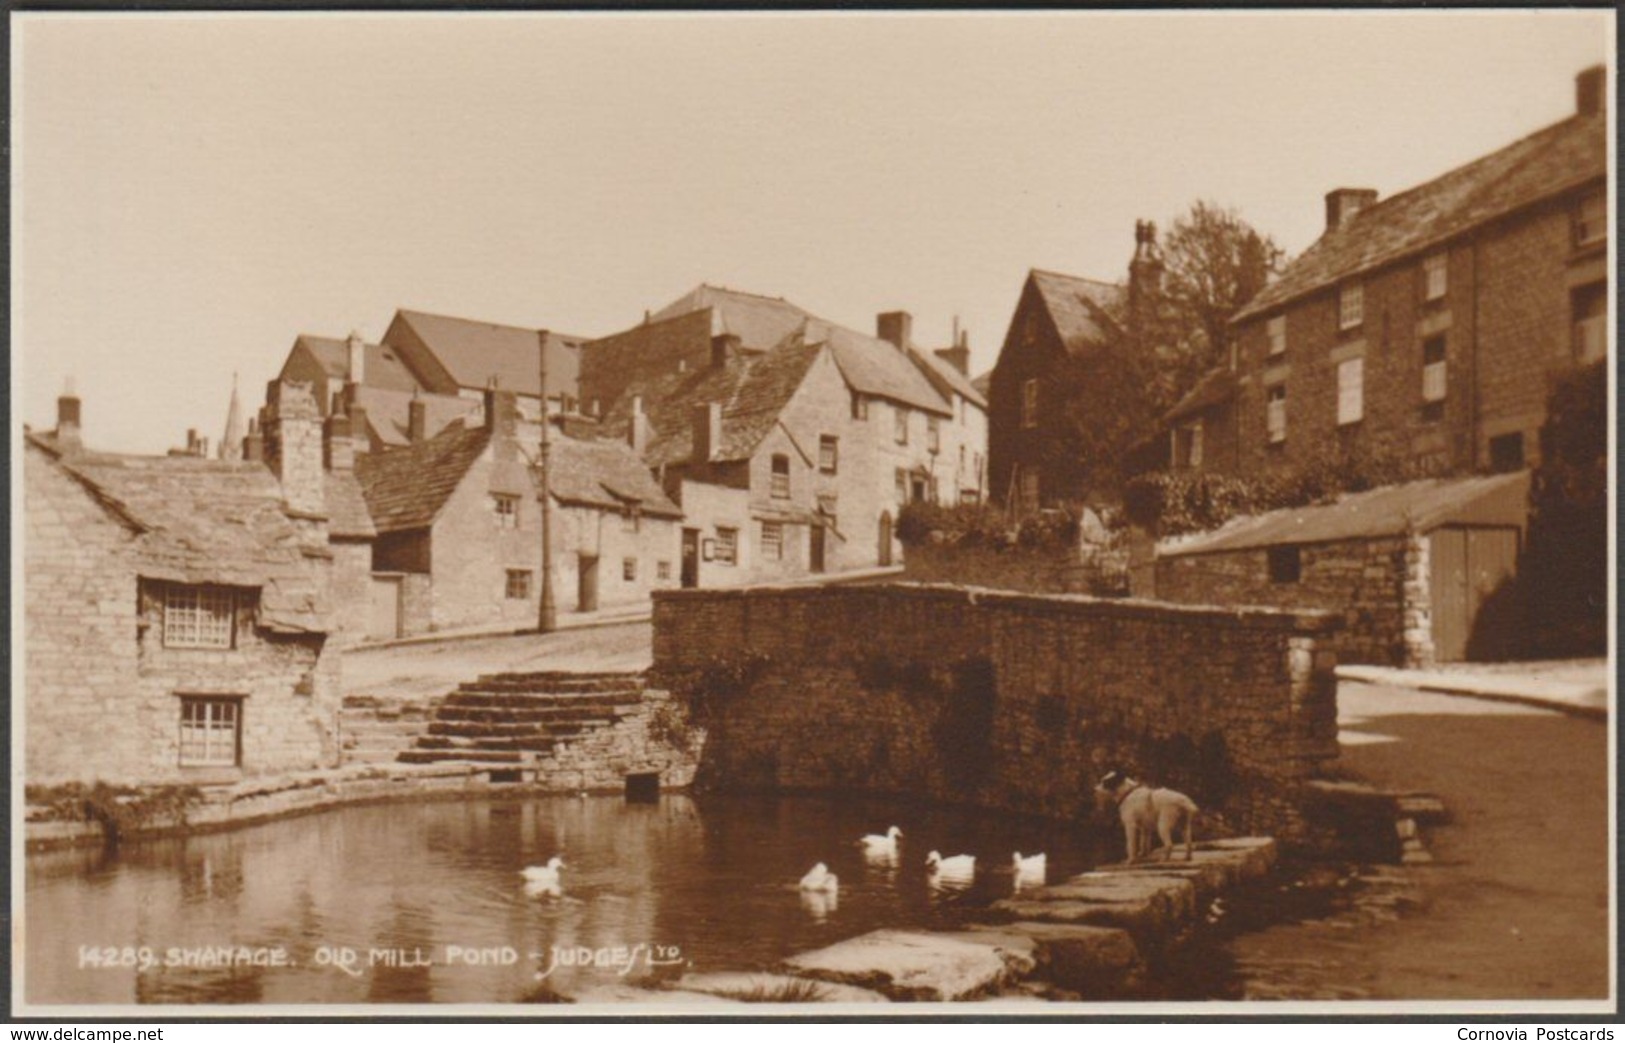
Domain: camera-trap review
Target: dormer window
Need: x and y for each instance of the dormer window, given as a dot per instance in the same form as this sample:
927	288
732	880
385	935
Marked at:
1591	219
781	477
1351	306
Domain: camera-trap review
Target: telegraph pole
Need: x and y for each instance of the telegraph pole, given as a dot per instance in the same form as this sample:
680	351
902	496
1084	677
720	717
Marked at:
547	613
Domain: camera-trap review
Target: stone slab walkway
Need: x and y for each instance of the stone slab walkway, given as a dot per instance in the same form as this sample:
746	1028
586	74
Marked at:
1578	688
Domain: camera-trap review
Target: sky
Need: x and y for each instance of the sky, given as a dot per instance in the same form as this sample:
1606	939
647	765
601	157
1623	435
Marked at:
191	192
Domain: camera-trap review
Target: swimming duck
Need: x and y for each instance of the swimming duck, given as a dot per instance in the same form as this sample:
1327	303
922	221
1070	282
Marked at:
820	880
881	844
958	865
543	877
1029	870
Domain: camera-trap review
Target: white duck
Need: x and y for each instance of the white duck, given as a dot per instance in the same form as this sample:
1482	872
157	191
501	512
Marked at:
878	846
959	866
543	878
1030	870
820	880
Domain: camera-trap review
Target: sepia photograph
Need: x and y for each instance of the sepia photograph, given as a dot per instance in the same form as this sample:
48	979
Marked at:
885	514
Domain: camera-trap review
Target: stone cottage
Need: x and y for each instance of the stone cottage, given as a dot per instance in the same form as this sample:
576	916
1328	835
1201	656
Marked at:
177	613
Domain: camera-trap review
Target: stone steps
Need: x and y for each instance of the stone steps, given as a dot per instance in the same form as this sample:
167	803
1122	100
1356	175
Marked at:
554	683
520	718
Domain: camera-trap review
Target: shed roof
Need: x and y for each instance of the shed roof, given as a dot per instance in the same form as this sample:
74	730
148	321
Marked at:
1544	164
1500	499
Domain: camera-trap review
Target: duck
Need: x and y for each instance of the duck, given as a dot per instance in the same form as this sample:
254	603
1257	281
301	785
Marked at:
820	880
881	846
1029	870
543	877
958	865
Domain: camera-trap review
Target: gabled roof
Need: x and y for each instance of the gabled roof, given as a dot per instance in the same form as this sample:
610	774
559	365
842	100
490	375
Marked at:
389	412
1217	385
406	488
347	514
211	521
1544	164
606	475
758	321
1500	499
474	352
1083	310
382	368
946	377
984	383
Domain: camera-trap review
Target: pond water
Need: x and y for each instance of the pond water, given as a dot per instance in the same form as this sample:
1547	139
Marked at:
425	903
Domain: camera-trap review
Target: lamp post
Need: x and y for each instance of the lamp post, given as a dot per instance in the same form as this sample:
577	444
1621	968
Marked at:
547	616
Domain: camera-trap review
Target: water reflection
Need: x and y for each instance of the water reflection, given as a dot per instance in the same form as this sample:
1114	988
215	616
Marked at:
429	903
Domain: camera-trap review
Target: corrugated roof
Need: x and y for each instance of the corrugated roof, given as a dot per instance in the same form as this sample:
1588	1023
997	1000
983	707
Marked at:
347	515
389	412
607	475
216	522
1487	500
1544	164
1082	309
474	352
405	488
382	368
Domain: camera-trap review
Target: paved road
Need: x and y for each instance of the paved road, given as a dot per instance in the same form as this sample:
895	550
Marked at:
433	669
1516	904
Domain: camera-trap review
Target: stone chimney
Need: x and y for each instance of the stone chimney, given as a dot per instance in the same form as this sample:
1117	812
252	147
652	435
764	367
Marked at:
417	419
360	440
1144	277
502	420
338	450
957	356
895	327
1343	203
253	443
358	358
724	346
637	432
707	431
67	417
293	444
1591	91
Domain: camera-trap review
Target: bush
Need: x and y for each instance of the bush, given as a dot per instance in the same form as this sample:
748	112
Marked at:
979	524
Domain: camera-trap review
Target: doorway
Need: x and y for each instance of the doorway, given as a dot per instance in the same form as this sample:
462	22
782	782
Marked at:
815	551
690	576
885	539
586	584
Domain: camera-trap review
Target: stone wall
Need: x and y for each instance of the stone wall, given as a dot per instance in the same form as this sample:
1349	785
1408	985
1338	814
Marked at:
999	700
1377	586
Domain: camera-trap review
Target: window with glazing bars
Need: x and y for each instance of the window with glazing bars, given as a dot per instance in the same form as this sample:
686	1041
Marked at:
211	731
199	617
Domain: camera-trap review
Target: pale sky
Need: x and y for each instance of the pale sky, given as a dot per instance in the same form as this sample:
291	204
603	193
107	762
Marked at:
190	192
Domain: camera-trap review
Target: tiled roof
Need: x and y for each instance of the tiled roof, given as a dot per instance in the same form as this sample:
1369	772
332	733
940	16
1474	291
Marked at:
1547	163
1082	309
382	368
605	474
405	488
759	322
945	376
1218	385
210	521
474	352
388	412
347	515
1391	510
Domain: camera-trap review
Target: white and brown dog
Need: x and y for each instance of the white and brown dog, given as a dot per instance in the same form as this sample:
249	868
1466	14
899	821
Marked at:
1149	813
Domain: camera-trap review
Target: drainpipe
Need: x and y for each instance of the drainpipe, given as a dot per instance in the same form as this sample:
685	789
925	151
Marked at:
547	614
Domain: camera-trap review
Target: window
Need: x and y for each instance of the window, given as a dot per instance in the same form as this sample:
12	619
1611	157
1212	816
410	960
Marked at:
663	570
1590	308
629	569
828	453
1029	490
860	407
781	477
632	519
1286	564
1029	403
1276	416
506	508
933	434
900	424
1506	452
1350	306
1350	391
1276	328
1435	276
199	617
1591	220
1433	378
772	541
1188	445
211	730
902	486
726	550
518	588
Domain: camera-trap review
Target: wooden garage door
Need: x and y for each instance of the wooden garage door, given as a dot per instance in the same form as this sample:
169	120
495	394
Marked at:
1475	616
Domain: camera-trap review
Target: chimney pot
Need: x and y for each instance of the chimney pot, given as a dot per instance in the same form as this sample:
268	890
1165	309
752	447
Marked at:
417	420
707	431
637	432
358	358
1591	90
895	327
1342	204
67	416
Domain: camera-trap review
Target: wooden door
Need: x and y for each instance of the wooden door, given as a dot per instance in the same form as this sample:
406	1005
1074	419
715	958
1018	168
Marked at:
586	584
1475	614
690	576
384	620
815	551
885	538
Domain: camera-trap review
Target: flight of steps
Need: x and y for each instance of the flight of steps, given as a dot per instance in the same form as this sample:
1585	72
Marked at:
375	729
505	721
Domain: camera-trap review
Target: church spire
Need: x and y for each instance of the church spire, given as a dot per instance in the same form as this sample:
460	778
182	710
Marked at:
231	444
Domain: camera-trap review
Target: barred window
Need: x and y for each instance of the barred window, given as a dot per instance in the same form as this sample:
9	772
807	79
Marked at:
1350	306
211	731
518	588
781	477
199	617
772	541
726	550
828	453
506	508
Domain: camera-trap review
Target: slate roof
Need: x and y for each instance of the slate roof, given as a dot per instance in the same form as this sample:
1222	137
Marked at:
1500	499
388	412
210	521
1082	309
946	376
405	488
984	383
758	321
607	475
875	367
473	352
382	368
1218	385
1544	164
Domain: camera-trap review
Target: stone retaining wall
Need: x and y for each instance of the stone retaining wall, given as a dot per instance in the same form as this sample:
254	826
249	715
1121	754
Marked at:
1004	701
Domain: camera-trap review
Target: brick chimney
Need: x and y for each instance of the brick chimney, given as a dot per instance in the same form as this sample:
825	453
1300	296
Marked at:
637	432
502	420
417	419
293	444
724	346
338	450
707	431
67	417
895	327
1343	203
957	356
1591	91
253	443
358	358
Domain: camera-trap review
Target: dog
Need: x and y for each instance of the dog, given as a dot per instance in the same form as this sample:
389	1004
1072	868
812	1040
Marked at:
1148	812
